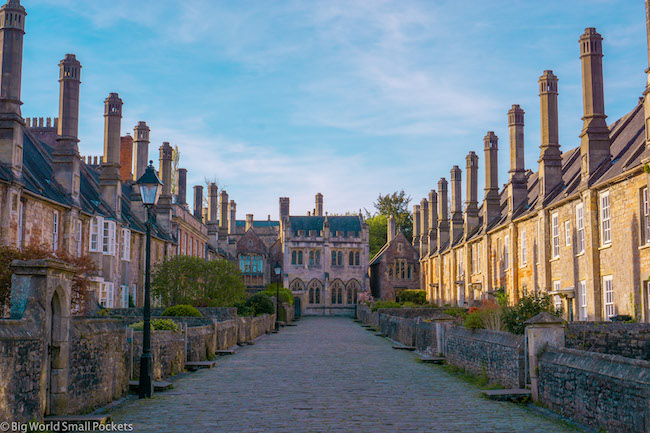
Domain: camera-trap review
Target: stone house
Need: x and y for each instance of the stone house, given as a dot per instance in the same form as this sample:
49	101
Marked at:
578	228
395	267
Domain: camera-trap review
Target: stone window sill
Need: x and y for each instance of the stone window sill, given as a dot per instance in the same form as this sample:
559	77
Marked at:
643	247
554	259
604	247
580	254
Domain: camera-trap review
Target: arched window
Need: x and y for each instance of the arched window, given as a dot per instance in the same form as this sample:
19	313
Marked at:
351	258
410	274
340	296
318	295
300	257
337	287
340	263
297	285
311	258
317	258
248	263
352	288
242	261
356	258
333	258
311	295
333	296
294	257
254	267
314	287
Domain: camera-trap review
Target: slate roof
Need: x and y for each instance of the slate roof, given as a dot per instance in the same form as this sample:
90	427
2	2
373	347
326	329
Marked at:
347	223
38	176
263	223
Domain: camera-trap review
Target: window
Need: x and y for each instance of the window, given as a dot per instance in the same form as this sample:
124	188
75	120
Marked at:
242	263
125	296
567	233
311	295
55	230
185	244
317	254
294	257
340	257
556	235
608	296
522	245
536	243
605	223
351	258
479	257
506	251
106	295
356	259
79	233
557	301
333	258
460	271
21	232
580	228
108	238
582	300
300	257
126	245
247	264
311	258
646	216
254	265
96	225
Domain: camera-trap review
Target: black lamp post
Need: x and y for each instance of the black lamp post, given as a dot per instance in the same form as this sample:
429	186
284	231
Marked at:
278	272
150	187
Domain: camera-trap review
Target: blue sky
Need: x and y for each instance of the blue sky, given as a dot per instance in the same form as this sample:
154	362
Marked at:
347	98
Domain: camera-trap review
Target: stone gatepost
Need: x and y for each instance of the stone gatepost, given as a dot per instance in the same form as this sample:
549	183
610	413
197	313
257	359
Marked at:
41	294
442	321
543	330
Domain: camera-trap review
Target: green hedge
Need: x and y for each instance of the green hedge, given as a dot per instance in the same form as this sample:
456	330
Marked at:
415	296
286	295
256	305
182	311
157	325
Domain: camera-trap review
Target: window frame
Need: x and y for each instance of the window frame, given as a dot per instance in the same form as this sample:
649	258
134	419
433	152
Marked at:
557	299
580	228
55	230
555	235
506	251
522	248
126	245
95	235
645	215
609	305
567	233
605	216
79	237
583	313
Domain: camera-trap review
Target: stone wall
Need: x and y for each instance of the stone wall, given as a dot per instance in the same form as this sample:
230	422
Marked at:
217	313
426	338
412	312
227	333
399	329
167	349
100	363
596	389
631	340
201	342
499	355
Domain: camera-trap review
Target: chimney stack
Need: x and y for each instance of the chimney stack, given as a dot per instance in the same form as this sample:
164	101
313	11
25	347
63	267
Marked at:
594	139
443	216
141	145
517	188
471	195
318	211
391	229
213	197
492	206
232	221
109	179
126	158
166	156
433	221
181	186
249	221
198	202
12	31
223	203
284	208
66	159
457	224
416	226
550	161
424	227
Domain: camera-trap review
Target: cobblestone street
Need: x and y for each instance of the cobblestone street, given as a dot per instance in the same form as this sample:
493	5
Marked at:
326	374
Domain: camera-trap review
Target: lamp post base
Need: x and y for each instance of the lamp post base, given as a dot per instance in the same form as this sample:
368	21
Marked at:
145	388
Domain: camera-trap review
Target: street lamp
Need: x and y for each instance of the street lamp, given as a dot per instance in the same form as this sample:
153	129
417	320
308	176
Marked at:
278	271
150	187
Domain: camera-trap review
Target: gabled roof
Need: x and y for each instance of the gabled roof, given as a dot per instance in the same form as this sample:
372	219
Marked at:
38	175
399	237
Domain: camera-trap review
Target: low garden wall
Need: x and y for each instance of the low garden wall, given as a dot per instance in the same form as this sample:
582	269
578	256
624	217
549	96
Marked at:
217	313
201	342
227	332
167	349
498	355
596	389
631	340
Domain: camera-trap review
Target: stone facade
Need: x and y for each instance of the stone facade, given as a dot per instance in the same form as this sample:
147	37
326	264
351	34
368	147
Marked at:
564	229
631	340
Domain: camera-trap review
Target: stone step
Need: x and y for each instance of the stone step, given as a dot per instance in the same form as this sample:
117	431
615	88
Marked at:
290	324
79	419
197	365
380	334
517	395
158	386
433	360
401	347
224	352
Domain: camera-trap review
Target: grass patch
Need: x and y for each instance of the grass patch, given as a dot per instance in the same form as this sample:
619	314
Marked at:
481	381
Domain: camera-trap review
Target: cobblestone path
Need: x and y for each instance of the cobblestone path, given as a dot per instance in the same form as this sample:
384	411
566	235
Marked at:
326	375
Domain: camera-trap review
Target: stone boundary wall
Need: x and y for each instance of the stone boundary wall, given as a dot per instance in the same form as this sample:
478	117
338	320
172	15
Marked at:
167	349
596	389
411	313
201	343
426	338
399	329
499	355
631	340
226	334
218	313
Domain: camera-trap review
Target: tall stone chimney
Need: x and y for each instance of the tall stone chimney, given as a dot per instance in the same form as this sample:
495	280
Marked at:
424	227
249	221
471	195
223	203
141	149
232	221
284	208
550	161
594	139
318	210
416	226
198	202
517	187
164	207
12	29
181	186
126	158
66	157
213	198
109	180
390	235
443	216
492	207
456	204
433	221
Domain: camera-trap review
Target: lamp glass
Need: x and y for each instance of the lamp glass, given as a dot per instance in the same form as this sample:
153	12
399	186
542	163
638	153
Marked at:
150	192
277	269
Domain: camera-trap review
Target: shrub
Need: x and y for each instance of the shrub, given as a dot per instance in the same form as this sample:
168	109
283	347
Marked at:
415	296
157	325
488	316
286	295
409	305
455	312
527	308
182	311
385	304
256	305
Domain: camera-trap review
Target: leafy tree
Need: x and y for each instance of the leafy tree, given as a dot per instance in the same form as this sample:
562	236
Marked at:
194	281
377	227
286	295
527	308
395	204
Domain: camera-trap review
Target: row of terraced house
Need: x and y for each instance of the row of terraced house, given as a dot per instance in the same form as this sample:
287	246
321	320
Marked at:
578	228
